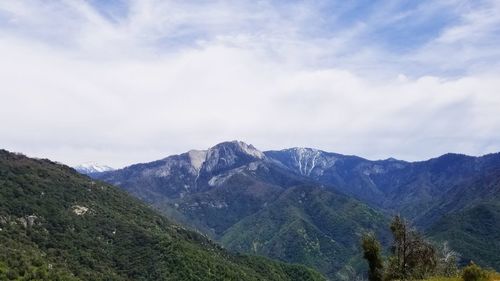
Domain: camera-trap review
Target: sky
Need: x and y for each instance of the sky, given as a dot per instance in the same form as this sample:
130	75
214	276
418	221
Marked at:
122	82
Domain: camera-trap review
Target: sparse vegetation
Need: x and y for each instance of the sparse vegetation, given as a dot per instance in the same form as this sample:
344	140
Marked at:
414	258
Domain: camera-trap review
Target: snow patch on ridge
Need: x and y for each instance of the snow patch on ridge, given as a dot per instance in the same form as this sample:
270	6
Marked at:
306	160
91	167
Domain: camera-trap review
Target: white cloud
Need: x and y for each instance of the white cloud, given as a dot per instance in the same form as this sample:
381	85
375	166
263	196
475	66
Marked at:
171	76
475	24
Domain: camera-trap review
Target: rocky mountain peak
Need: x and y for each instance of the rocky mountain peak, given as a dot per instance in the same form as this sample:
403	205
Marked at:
231	154
248	149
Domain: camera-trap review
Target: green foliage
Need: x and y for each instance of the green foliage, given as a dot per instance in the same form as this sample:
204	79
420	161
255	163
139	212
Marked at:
311	226
474	232
58	225
473	272
371	252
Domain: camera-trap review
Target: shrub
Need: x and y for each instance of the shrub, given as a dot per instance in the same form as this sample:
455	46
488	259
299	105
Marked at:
473	272
371	250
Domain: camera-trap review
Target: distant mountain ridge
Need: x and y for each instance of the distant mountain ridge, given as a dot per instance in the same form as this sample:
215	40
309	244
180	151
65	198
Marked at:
395	185
229	191
196	170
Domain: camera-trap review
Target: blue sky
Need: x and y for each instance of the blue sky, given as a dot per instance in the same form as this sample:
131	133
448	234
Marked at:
119	82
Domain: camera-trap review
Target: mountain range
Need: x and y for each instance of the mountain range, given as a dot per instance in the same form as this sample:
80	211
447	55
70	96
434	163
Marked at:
308	206
56	224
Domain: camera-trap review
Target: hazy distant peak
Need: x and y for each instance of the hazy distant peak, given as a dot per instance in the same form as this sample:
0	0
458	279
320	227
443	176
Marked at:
91	167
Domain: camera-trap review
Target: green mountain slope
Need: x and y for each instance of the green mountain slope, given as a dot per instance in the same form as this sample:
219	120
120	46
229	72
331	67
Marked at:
453	197
473	232
216	210
308	225
469	219
58	225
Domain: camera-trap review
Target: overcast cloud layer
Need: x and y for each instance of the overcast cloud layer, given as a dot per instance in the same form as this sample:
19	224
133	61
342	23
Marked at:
134	81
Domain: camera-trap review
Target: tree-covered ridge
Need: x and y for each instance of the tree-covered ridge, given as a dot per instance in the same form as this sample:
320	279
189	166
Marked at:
474	232
58	225
309	225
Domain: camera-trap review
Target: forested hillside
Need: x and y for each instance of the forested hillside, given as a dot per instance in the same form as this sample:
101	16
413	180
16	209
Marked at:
56	224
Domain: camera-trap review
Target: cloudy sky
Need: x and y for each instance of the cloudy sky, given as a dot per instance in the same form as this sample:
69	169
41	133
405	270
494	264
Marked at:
119	82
